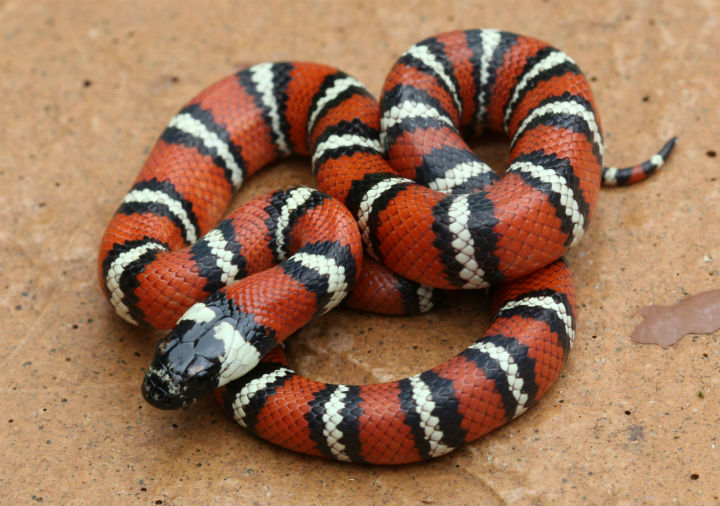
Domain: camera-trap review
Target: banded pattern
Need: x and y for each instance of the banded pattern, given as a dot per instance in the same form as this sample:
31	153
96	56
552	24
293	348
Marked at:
436	215
539	97
316	247
428	415
612	176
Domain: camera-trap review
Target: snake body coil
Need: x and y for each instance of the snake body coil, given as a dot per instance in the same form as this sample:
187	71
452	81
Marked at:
414	195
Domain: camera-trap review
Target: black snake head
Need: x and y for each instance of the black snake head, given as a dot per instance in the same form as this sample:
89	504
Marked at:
186	365
211	345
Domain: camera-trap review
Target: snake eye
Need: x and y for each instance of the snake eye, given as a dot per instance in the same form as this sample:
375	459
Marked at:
201	377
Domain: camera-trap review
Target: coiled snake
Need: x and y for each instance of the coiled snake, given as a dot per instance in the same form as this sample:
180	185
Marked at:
397	179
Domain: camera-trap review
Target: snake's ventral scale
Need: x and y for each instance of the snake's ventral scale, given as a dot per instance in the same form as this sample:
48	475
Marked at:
395	179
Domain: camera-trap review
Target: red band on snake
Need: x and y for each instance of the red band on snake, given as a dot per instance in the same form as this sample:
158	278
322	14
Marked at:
417	197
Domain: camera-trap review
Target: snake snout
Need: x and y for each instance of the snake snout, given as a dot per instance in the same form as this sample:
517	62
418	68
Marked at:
161	393
185	366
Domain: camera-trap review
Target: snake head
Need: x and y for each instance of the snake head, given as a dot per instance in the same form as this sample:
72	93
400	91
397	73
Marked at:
212	344
185	367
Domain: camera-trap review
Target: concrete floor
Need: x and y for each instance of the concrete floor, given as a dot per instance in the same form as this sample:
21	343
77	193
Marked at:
87	87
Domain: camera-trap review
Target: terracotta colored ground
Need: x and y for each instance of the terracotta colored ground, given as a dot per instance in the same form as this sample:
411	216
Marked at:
87	87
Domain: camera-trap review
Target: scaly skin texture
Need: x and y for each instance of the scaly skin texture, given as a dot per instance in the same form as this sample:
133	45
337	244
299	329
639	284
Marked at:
432	213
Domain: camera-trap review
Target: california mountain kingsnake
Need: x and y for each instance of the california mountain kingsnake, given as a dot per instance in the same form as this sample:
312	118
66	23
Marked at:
298	251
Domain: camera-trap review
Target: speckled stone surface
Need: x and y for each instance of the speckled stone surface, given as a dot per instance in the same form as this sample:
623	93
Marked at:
87	87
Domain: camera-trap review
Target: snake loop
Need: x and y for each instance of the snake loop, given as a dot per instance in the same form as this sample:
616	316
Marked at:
429	213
